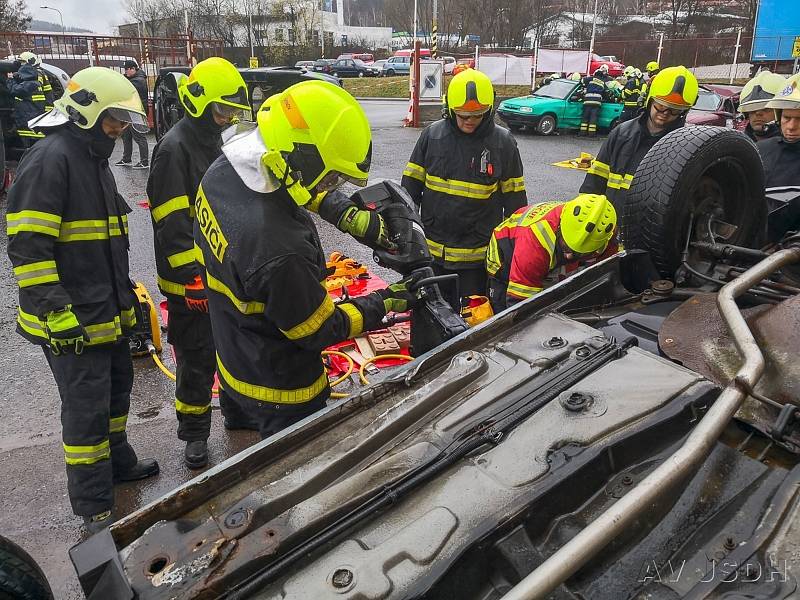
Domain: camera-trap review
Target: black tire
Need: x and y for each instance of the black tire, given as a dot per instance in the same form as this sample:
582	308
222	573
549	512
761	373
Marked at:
702	169
20	576
547	125
390	73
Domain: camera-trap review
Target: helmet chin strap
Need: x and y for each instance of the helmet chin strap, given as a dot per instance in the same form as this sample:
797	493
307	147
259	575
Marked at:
277	165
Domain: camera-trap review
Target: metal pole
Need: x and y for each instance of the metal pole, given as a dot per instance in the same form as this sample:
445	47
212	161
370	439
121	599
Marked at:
535	63
660	47
435	31
591	42
60	17
736	55
414	41
683	463
250	30
322	31
477	55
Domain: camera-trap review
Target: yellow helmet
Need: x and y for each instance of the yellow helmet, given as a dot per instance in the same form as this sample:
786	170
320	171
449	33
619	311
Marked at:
788	96
675	87
588	222
214	80
320	128
96	89
30	58
652	66
470	92
759	90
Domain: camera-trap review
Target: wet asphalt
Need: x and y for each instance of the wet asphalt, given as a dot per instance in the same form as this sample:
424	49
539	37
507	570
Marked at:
35	508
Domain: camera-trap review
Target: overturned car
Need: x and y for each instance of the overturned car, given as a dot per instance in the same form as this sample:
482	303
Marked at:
630	432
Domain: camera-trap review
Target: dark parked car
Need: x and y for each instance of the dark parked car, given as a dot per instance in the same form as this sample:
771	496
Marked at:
351	67
261	83
716	105
323	65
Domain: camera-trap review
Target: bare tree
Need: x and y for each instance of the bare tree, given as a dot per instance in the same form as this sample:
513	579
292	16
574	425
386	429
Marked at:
13	15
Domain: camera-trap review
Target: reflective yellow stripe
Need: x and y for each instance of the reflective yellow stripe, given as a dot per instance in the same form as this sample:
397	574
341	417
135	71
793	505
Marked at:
243	306
37	97
29	133
170	287
191	409
117	424
180	259
521	291
312	324
33	221
198	255
415	171
82	231
448	254
268	394
514	184
600	169
493	257
356	319
162	211
455	187
547	238
31	324
114	225
619	182
313	204
104	333
87	455
128	318
37	273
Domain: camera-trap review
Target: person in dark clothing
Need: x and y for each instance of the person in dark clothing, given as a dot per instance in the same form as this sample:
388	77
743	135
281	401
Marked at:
47	88
68	244
465	175
754	97
29	102
139	80
671	94
212	95
631	94
781	154
594	87
264	263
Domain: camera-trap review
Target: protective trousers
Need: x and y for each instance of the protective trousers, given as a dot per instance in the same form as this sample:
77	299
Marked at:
95	389
189	332
589	120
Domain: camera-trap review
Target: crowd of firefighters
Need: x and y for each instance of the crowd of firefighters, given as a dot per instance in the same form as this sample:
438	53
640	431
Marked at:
237	251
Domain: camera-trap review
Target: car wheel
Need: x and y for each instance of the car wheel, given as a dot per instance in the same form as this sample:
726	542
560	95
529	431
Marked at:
361	73
547	125
700	176
390	73
20	576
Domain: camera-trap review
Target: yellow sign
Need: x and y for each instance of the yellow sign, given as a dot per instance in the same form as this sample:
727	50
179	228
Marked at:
253	62
796	47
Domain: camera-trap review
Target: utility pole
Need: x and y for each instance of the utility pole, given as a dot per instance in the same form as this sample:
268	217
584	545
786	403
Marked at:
591	42
736	55
660	47
435	31
415	22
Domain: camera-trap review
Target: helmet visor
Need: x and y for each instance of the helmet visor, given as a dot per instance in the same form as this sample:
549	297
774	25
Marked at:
229	113
672	105
237	99
137	120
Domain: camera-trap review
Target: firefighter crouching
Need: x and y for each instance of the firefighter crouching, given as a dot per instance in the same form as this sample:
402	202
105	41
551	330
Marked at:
264	263
552	239
465	175
212	94
68	244
29	101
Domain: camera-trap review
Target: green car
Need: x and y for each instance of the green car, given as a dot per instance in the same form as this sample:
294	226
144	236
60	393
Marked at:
553	106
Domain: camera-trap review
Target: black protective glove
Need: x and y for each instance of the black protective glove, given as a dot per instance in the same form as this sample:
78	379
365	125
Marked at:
401	296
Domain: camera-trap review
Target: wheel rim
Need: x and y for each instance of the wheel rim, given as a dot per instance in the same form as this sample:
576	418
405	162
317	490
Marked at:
546	125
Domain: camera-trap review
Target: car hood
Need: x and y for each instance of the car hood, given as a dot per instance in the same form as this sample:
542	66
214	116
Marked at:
704	117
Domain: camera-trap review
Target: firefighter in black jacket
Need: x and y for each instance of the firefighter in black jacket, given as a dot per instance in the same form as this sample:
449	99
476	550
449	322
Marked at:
29	102
671	94
753	100
47	88
263	257
212	94
465	175
630	95
781	154
68	244
594	92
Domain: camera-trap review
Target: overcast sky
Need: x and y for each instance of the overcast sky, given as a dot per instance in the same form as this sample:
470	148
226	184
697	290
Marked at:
100	16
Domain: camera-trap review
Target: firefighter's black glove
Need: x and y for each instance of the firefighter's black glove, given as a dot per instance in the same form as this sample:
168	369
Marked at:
64	331
366	225
398	297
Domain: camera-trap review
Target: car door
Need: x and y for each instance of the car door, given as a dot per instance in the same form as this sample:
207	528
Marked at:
573	110
609	112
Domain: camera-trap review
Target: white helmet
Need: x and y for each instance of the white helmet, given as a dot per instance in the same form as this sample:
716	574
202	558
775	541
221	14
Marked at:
30	58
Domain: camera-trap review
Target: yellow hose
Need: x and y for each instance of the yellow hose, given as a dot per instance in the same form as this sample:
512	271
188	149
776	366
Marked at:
350	368
375	359
162	366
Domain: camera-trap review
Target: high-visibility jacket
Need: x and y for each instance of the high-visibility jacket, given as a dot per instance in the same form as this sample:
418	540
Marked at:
29	100
523	253
68	239
594	90
47	89
611	173
180	159
264	274
631	92
464	185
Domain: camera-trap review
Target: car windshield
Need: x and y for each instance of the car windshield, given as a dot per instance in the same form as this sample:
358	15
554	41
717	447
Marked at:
556	89
707	100
359	63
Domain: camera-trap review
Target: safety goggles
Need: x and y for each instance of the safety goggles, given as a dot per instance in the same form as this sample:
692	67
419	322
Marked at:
667	110
129	117
227	112
471	116
334	180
